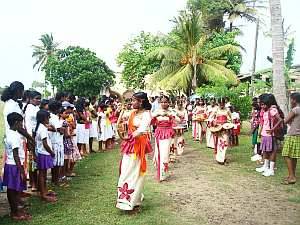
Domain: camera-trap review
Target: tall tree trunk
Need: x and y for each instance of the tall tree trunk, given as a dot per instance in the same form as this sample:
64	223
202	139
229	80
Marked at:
254	58
194	79
279	87
230	26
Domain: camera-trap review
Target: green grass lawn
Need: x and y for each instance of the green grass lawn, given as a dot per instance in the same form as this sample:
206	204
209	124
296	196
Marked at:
91	199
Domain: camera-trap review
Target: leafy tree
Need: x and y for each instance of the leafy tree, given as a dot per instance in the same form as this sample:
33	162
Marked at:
79	71
42	52
240	9
193	61
134	61
234	59
212	12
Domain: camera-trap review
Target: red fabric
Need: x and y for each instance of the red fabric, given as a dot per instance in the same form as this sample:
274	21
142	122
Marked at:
164	130
221	119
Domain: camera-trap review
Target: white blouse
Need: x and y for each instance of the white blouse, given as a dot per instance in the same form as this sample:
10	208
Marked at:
10	107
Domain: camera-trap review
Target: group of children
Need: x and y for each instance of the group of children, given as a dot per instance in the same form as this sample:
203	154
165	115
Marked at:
54	134
269	127
49	134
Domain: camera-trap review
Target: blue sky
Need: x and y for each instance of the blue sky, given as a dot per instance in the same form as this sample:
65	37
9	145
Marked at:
104	27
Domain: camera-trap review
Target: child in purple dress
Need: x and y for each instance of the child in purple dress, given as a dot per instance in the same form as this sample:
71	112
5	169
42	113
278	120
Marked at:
44	153
14	174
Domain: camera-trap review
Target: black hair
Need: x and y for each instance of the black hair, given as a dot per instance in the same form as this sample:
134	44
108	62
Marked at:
256	106
41	116
254	99
60	95
44	102
222	100
31	95
80	105
14	117
296	97
72	98
145	101
54	106
61	110
11	91
26	95
272	99
164	96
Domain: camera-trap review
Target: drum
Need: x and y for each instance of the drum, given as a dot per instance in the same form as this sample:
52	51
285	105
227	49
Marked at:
228	126
216	128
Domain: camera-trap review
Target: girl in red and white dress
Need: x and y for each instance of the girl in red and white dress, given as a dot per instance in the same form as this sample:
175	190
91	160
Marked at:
237	126
211	110
199	114
181	112
221	138
164	133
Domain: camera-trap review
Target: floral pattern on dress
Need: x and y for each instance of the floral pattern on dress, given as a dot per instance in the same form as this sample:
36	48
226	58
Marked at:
125	192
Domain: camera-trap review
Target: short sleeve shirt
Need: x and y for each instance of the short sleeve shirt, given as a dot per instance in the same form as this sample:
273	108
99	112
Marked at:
10	107
41	134
30	118
294	129
13	141
266	120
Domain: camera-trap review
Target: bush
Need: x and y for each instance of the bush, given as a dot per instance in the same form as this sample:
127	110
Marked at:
237	95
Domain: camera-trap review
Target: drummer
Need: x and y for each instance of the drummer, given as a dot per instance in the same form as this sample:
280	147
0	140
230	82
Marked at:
221	130
211	111
181	125
199	116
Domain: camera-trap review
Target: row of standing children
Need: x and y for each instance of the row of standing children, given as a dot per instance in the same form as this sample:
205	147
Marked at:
268	127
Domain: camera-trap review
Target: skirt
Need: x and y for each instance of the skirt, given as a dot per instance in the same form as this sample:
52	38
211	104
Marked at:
254	136
59	157
131	183
93	131
82	134
106	132
75	153
44	162
291	147
268	144
12	178
161	158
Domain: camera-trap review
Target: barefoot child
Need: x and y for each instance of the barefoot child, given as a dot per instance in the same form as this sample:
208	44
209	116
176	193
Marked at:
45	154
291	147
14	175
56	138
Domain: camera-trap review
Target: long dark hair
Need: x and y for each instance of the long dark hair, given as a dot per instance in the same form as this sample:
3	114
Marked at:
41	117
144	98
31	95
11	92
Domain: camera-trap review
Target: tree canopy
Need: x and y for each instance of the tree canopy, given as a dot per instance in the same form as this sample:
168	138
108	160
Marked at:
78	70
134	61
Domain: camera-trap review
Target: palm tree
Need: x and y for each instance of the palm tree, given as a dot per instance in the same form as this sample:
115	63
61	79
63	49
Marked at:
240	9
279	84
42	52
191	62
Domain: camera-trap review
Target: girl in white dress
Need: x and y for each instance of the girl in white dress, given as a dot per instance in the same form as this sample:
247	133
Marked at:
105	131
134	149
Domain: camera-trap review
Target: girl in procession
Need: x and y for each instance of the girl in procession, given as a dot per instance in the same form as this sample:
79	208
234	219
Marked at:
211	111
221	130
134	149
180	127
164	133
199	124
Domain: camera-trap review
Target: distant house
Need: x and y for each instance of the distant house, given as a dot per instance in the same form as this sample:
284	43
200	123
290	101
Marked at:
266	75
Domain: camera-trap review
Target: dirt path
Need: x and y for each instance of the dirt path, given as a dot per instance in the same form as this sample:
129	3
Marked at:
207	193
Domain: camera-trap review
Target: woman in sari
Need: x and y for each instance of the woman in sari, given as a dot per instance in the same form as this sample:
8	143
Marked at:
211	110
134	149
222	119
199	114
164	134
